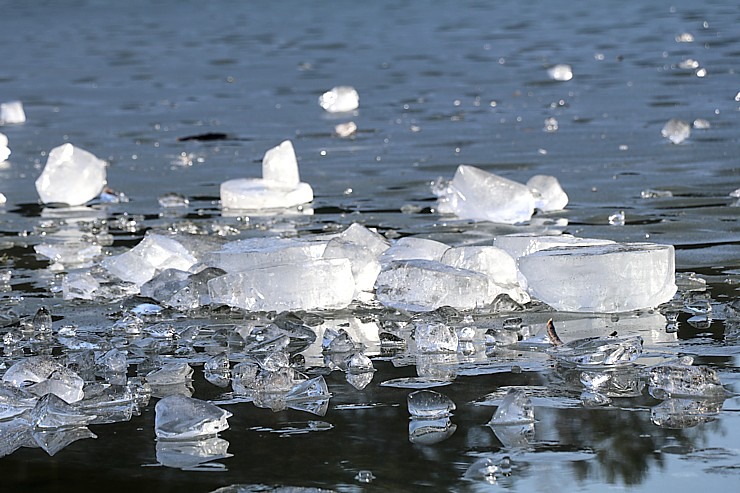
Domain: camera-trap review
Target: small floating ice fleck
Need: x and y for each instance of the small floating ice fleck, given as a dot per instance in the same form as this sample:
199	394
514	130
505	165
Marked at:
701	124
689	63
340	99
346	129
654	194
685	38
616	219
560	72
551	124
11	113
173	199
676	130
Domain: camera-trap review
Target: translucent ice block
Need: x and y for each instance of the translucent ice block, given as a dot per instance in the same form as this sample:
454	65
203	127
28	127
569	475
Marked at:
676	130
193	455
280	165
255	253
409	247
33	369
549	195
520	244
257	194
11	112
429	404
679	380
53	412
311	284
340	99
482	196
71	176
515	409
606	279
184	418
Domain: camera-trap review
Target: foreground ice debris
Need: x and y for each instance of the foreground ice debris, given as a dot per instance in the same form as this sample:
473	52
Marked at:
279	188
676	130
340	99
482	196
193	455
603	279
11	112
521	244
185	418
515	409
71	176
684	380
4	149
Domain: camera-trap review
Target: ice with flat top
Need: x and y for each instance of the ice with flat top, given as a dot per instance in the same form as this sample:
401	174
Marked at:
410	247
279	188
310	284
682	380
521	244
619	277
179	417
676	130
11	113
72	176
180	289
255	253
340	99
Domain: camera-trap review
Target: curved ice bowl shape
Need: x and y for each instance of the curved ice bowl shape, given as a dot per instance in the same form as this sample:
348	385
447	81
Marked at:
428	404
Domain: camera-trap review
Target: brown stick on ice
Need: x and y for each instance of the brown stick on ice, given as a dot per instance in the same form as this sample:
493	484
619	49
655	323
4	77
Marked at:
554	339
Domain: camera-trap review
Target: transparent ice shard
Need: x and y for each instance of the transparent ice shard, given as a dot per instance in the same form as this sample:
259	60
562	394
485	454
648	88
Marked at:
340	99
410	247
53	441
360	370
482	196
428	404
32	369
345	129
435	337
311	396
14	434
14	401
71	176
69	254
484	469
616	218
111	361
63	382
280	165
11	113
680	380
515	409
607	278
680	413
185	418
108	403
80	285
514	436
676	130
173	372
424	285
193	455
549	195
42	321
561	72
52	412
173	200
180	289
599	351
430	431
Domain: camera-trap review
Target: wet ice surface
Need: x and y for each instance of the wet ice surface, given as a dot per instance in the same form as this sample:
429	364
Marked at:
440	88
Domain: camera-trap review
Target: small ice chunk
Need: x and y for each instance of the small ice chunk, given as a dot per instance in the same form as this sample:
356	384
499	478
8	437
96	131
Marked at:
280	165
346	129
53	441
69	254
310	284
181	290
79	285
257	194
410	247
549	195
482	196
616	219
521	244
428	404
430	431
551	124
63	382
655	194
12	112
33	369
340	99
679	413
424	285
174	372
515	409
603	279
701	124
685	38
678	380
364	262
71	176
173	200
435	337
254	253
599	351
4	149
676	130
560	72
53	412
184	418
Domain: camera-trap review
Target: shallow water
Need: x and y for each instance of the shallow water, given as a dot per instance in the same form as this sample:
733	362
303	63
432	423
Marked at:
441	84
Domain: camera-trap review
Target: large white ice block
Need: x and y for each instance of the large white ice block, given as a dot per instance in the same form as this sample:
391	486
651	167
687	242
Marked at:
549	195
620	277
311	284
482	196
71	176
425	285
520	244
12	112
256	194
255	253
281	165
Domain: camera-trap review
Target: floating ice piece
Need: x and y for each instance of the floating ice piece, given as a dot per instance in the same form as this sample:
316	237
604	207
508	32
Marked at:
70	254
311	396
650	193
79	285
484	469
701	124
12	112
515	409
53	412
428	404
679	380
482	196
425	285
435	337
109	403
346	129
173	200
193	455
603	279
71	176
410	247
676	130
560	72
680	413
521	244
4	149
279	188
152	255
430	431
174	372
311	284
549	195
33	369
340	99
616	219
185	418
62	382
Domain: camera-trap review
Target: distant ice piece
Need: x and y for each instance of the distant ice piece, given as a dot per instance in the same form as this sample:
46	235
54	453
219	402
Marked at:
676	130
560	72
4	149
424	285
12	112
71	176
345	129
310	284
184	418
603	279
515	409
549	195
340	99
410	247
280	186
482	196
521	244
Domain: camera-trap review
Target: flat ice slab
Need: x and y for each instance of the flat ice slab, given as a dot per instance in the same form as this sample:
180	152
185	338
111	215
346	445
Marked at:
254	253
521	244
620	277
71	176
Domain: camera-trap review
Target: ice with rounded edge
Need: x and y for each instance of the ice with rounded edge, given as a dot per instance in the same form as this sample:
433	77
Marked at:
676	130
340	99
178	417
71	176
549	195
12	112
410	247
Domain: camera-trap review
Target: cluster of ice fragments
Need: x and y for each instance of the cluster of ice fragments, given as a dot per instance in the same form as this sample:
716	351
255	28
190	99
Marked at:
479	195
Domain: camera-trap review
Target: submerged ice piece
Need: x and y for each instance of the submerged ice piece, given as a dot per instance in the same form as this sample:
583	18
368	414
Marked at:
482	196
679	380
676	130
184	418
71	176
603	279
515	409
311	284
425	285
12	112
340	99
280	186
428	404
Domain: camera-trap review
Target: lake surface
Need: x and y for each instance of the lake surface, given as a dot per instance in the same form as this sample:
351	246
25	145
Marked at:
441	84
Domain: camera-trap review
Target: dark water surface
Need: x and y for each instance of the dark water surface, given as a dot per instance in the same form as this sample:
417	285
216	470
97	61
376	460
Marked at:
441	84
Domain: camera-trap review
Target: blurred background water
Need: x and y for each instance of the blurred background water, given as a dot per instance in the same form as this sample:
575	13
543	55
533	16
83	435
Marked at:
441	84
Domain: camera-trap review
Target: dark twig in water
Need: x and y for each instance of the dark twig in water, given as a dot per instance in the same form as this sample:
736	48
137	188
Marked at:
554	339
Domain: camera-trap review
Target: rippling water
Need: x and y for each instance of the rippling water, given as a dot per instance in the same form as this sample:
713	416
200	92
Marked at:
441	84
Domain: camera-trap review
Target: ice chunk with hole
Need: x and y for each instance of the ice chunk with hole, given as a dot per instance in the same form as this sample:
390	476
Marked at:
515	409
410	247
482	196
603	279
428	404
549	195
184	418
311	284
254	253
153	254
425	285
521	244
12	112
340	99
71	176
676	130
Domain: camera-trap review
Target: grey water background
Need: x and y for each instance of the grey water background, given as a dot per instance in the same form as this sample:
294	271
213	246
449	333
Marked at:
441	84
